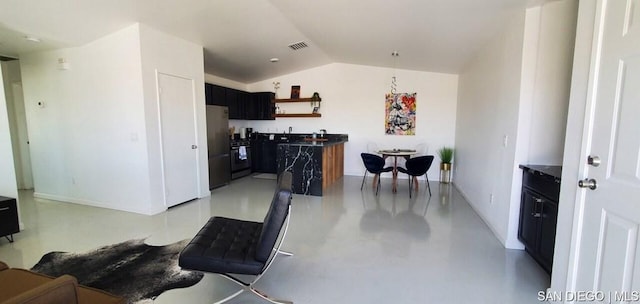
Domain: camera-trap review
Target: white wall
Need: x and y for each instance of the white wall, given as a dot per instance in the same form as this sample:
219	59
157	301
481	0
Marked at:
353	99
550	98
487	112
162	53
522	77
96	140
88	141
8	185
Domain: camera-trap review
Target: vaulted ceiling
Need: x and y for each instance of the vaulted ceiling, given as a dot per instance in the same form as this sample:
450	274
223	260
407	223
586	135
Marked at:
241	36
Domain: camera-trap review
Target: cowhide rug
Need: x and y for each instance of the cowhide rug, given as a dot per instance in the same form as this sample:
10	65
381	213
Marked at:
131	269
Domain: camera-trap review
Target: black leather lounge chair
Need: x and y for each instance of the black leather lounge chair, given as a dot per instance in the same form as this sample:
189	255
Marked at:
227	246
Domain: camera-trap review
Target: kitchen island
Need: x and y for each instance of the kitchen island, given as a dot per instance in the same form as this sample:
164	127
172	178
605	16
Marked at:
315	165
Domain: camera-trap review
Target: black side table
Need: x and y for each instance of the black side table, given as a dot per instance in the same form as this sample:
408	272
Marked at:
8	218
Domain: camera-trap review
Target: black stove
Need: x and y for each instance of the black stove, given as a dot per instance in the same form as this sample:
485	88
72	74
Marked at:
240	142
240	151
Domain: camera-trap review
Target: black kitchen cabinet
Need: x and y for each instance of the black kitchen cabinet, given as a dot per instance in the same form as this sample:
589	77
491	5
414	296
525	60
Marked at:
208	98
539	212
256	155
263	160
219	95
264	153
8	217
269	156
548	223
266	161
215	95
258	106
244	100
251	108
242	105
235	111
263	107
237	102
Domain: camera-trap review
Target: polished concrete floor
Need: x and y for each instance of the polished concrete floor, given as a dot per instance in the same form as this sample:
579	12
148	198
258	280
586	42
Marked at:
350	246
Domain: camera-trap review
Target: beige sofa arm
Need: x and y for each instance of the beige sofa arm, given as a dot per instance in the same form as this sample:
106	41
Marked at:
62	290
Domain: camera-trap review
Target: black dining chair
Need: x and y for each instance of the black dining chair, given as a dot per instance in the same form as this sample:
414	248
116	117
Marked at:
375	165
416	167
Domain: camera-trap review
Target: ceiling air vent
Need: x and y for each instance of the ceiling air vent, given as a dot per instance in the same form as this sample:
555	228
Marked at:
298	45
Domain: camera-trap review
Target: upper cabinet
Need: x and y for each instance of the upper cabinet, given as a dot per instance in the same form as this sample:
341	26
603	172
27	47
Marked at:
262	106
242	105
235	102
216	95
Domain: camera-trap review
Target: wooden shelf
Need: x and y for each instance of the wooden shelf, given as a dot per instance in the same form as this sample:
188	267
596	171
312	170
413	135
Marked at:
298	115
291	100
297	100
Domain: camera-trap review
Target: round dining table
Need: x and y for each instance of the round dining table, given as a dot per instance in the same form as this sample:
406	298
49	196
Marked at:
395	153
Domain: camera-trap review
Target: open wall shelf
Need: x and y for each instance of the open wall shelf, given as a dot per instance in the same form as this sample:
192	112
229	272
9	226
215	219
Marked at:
297	100
303	115
306	115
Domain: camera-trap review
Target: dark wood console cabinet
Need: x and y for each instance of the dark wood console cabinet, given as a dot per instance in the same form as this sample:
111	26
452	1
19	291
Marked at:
8	217
539	211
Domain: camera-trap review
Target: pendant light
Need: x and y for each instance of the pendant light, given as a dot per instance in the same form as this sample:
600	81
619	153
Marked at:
394	85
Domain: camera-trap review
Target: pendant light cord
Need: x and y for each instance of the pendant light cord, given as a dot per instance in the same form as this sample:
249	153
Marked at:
394	84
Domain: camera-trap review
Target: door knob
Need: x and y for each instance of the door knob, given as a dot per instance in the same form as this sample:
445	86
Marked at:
593	160
588	183
194	147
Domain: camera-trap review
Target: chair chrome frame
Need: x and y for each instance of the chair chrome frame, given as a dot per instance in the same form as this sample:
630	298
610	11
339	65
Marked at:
248	286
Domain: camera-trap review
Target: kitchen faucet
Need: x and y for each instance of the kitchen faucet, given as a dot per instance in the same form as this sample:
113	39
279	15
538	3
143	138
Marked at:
290	129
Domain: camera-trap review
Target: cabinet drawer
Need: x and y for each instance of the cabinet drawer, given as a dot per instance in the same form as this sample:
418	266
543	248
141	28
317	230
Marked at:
8	216
546	185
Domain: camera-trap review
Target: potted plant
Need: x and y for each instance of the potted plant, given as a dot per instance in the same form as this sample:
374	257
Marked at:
446	158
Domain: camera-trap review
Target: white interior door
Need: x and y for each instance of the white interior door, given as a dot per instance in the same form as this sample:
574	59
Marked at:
178	136
608	257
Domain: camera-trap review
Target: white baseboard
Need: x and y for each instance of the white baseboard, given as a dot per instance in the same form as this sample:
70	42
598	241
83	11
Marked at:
506	243
85	202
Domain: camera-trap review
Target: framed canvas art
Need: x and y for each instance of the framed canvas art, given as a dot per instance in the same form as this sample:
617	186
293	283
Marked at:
295	92
400	114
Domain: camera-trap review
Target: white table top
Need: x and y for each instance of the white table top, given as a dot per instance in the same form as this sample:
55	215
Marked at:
398	152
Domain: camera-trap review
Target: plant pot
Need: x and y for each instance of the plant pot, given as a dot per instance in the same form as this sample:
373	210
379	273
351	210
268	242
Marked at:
445	173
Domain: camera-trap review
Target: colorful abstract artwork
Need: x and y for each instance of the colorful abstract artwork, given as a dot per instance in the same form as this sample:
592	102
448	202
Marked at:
400	114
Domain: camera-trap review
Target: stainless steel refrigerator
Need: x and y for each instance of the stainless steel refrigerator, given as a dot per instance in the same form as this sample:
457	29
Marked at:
218	146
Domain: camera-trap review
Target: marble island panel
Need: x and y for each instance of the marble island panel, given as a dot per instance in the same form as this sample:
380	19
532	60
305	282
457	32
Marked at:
315	164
